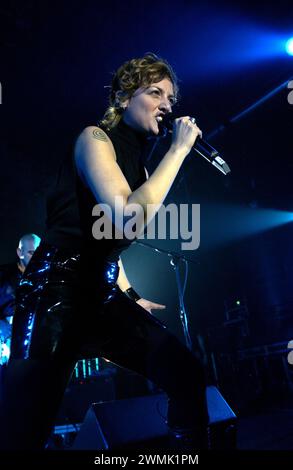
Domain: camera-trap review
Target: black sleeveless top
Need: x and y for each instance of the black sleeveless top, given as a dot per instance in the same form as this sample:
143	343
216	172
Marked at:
70	202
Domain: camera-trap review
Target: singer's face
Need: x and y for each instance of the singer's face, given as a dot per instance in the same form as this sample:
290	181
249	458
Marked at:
148	104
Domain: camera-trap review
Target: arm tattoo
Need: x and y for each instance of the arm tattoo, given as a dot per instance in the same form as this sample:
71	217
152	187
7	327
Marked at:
100	135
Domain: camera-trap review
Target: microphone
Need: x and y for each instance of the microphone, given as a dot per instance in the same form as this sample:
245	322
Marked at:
201	147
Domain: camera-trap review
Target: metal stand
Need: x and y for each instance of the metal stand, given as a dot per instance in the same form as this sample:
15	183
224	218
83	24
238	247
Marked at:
175	260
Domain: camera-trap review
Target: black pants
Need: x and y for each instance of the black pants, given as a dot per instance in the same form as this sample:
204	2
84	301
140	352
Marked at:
68	309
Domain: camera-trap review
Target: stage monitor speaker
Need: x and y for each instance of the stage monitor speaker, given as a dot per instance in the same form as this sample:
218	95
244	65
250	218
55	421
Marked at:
79	397
140	423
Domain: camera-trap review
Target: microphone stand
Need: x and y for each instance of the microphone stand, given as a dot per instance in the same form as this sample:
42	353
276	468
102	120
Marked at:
175	260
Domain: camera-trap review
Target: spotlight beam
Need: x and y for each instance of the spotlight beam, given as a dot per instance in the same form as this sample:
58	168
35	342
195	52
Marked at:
289	46
248	110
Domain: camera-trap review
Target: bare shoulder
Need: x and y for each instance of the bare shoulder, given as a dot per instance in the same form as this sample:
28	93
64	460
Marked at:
93	132
93	140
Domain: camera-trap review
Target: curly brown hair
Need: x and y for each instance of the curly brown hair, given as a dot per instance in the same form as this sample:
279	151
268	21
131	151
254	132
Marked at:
132	75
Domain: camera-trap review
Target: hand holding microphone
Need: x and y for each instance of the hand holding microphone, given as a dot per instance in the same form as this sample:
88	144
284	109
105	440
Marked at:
186	133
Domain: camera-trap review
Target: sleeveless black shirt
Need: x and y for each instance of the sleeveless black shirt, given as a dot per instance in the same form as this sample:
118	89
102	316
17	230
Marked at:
70	202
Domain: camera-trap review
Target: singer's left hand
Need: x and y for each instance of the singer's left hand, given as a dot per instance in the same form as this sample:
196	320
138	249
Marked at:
149	306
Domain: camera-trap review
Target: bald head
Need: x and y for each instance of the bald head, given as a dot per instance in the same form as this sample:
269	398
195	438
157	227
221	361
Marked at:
26	248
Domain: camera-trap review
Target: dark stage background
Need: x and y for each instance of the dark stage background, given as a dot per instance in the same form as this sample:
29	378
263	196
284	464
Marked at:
57	58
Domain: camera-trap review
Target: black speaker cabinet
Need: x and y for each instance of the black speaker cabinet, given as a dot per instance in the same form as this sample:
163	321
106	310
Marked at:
78	398
140	423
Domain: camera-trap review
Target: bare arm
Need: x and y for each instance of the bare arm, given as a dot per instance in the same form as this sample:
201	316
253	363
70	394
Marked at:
96	163
122	280
124	284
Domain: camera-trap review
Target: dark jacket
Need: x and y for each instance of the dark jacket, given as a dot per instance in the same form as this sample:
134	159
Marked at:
9	278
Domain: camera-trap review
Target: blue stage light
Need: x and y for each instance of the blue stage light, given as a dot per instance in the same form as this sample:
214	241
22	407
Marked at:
289	46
